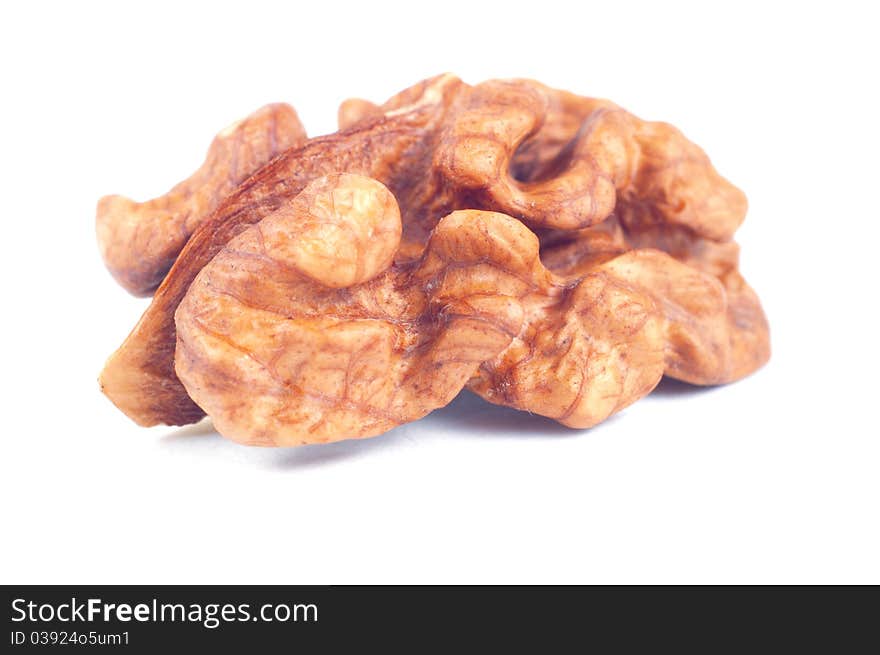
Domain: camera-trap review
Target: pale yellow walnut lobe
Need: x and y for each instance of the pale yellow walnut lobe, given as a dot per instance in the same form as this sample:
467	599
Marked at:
340	231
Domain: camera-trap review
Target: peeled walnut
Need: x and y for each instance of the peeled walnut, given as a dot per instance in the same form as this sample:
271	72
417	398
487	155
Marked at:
140	241
551	159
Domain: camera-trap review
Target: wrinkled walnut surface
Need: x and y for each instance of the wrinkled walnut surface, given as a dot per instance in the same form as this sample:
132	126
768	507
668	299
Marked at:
601	319
279	351
746	329
140	241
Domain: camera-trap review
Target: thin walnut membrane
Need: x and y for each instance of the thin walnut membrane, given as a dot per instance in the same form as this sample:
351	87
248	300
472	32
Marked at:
549	252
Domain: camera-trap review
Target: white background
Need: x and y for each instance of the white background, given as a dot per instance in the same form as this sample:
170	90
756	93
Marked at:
773	479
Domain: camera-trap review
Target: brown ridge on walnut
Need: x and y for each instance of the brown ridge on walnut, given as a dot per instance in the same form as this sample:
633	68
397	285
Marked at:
140	241
677	203
606	331
746	329
556	160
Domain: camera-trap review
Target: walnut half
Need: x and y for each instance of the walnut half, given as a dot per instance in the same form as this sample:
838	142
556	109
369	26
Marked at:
551	252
